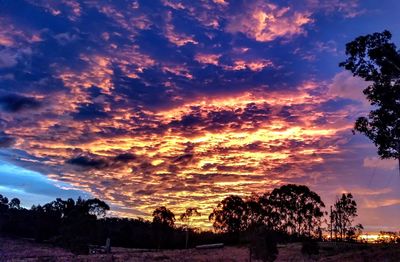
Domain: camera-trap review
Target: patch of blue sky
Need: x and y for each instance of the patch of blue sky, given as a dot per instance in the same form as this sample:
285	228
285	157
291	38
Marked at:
33	188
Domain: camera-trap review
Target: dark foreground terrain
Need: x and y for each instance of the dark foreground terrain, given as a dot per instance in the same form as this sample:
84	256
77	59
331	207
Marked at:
27	250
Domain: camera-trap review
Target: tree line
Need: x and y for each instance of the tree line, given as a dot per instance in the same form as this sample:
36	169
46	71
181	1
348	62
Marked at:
293	211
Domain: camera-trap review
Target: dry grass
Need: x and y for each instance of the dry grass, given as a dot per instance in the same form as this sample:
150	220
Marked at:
25	250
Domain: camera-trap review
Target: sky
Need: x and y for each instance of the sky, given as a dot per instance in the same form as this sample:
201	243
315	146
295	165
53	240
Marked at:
182	103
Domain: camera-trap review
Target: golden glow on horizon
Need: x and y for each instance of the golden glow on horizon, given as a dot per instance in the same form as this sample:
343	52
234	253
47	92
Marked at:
376	237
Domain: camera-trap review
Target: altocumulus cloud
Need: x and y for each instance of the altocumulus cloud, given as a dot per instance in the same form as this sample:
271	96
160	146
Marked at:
15	103
143	103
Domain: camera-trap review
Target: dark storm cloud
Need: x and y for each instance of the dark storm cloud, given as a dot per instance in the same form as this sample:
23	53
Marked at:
286	113
98	162
6	140
254	112
125	157
15	103
88	162
89	112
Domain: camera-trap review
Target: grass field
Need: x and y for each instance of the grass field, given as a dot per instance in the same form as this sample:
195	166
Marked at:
26	250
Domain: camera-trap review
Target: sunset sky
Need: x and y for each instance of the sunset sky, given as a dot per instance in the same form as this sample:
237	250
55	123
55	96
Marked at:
182	103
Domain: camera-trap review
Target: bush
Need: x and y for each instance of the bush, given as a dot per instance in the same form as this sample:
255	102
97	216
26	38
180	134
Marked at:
264	245
310	247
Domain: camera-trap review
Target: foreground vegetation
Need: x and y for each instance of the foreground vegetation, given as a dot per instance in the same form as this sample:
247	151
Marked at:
287	214
24	250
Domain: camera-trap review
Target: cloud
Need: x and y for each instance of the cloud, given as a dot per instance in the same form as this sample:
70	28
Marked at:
382	203
179	39
253	65
89	112
345	85
92	161
7	59
125	157
88	162
6	140
222	2
15	103
375	162
66	38
265	22
33	188
349	9
359	191
211	59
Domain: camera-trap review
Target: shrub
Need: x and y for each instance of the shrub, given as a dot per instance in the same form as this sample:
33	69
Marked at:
264	245
310	247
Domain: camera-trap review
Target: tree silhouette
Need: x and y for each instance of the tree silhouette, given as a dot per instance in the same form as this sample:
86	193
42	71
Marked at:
15	203
343	214
264	220
298	208
67	208
269	214
229	215
3	203
186	218
376	59
354	232
190	212
293	209
95	207
163	217
163	225
255	214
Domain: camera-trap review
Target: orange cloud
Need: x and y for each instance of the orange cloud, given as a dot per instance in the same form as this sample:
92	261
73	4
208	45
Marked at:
208	58
222	2
265	22
191	155
255	65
